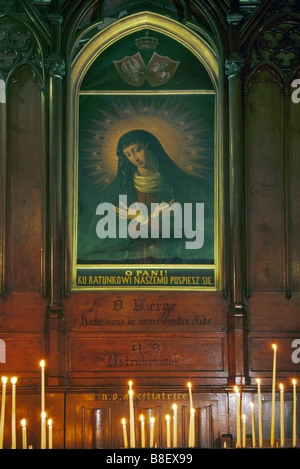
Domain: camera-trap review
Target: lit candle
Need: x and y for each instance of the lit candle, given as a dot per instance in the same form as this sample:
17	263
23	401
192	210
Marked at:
124	433
24	435
4	380
192	429
43	431
244	430
260	440
143	439
13	414
50	434
294	414
252	424
238	418
42	365
174	407
281	415
131	416
190	394
273	397
168	431
152	420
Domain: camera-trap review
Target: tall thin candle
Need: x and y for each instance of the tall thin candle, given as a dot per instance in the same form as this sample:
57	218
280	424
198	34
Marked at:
281	415
260	439
42	365
168	431
4	380
190	394
43	431
143	438
294	414
174	407
192	428
124	433
238	418
13	414
24	434
131	416
244	430
50	434
252	424
152	420
273	397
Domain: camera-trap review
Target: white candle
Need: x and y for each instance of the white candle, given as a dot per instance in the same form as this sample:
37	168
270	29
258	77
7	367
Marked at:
252	424
152	419
131	416
244	430
192	429
43	431
168	431
124	433
238	418
260	439
281	415
50	434
273	397
143	439
42	365
13	414
294	414
4	380
174	407
190	394
24	435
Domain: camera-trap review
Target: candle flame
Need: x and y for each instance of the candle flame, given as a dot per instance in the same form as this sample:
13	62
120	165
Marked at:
258	380
50	422
192	411
281	386
168	417
244	417
294	381
174	407
43	415
124	421
274	346
141	418
189	385
42	363
4	379
236	389
251	405
13	380
152	420
130	384
23	423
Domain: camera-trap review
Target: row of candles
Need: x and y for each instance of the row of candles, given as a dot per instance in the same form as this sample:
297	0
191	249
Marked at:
132	443
13	381
241	420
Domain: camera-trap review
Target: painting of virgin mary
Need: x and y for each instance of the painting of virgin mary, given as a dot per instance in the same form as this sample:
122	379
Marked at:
147	175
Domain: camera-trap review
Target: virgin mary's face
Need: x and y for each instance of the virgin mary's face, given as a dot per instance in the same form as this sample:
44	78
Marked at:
137	154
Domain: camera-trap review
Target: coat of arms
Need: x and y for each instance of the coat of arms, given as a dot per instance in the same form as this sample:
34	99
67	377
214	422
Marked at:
158	71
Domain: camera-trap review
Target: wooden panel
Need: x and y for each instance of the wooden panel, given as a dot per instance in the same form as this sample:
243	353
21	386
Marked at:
25	196
23	353
265	170
262	354
146	353
293	142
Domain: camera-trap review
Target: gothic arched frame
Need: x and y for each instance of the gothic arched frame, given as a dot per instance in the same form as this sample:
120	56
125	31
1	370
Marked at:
78	68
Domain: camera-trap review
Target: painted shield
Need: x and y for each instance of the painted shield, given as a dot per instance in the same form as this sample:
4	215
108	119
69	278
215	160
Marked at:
132	69
160	69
